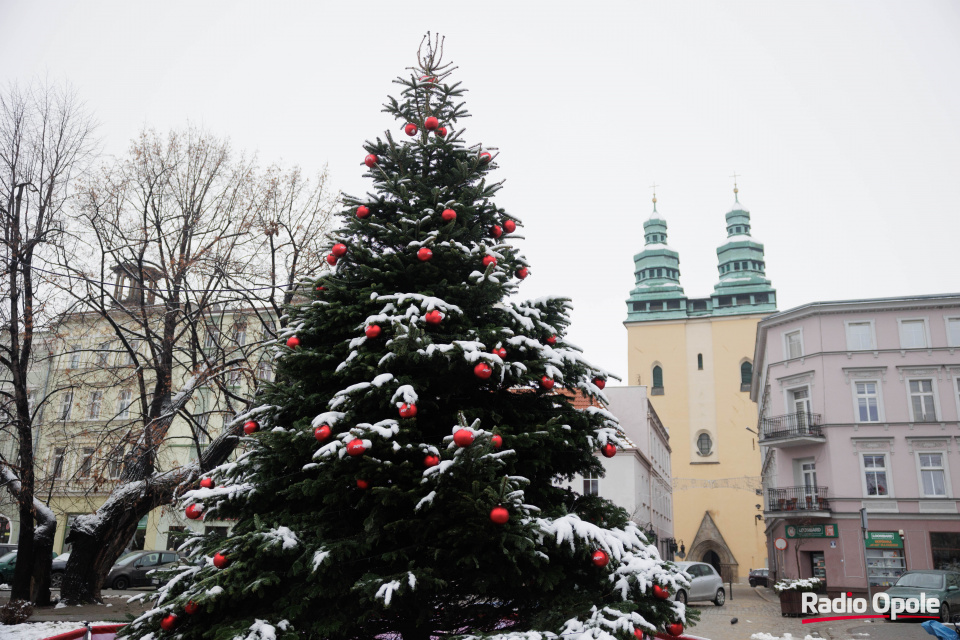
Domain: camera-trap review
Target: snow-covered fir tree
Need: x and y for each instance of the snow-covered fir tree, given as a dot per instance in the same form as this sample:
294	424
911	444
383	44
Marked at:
402	476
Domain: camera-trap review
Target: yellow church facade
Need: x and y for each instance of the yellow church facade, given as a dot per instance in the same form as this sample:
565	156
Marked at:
695	355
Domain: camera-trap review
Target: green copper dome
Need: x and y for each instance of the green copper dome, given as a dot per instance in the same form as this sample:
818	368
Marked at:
743	287
657	273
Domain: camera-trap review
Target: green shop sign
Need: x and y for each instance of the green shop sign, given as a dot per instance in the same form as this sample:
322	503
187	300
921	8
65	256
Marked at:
883	540
828	530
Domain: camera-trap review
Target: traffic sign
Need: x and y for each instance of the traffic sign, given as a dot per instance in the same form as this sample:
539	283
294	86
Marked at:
780	543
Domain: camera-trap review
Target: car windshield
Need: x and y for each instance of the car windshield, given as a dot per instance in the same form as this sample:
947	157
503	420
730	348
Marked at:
64	556
921	580
7	557
127	559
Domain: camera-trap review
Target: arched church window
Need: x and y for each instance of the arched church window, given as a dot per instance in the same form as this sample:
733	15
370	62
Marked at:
658	377
704	444
700	361
746	376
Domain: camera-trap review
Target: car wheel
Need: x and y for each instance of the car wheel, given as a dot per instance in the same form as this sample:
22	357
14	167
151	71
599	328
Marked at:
753	583
56	579
121	583
944	613
721	598
681	596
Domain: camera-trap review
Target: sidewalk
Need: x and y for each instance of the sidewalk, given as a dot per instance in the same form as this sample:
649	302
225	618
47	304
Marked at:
115	608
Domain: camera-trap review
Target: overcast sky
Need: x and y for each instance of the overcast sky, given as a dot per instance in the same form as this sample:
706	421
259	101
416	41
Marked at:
842	118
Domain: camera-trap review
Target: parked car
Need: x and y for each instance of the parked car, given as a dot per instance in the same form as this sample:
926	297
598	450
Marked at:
131	570
8	564
705	584
759	577
942	585
6	547
57	569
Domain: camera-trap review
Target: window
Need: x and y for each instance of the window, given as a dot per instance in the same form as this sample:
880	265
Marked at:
922	403
126	358
913	334
203	421
868	401
808	470
700	361
210	340
96	401
103	354
66	405
946	550
746	376
240	335
793	344
933	477
124	400
86	463
875	474
75	356
953	332
116	462
56	464
265	371
859	336
658	377
591	484
704	444
234	378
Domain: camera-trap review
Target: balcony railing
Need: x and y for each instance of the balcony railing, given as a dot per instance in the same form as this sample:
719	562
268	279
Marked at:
798	499
793	425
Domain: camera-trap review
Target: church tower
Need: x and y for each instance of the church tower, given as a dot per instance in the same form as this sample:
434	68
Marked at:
695	354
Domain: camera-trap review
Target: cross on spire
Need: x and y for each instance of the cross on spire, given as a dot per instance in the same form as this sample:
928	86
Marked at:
654	187
735	190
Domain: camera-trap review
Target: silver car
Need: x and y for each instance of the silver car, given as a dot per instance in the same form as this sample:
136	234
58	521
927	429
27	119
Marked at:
705	584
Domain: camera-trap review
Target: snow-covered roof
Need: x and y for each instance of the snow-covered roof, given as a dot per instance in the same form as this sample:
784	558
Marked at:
657	245
655	215
741	238
738	207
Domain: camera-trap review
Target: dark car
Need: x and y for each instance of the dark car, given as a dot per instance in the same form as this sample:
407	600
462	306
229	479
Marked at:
6	547
942	585
131	570
8	564
759	577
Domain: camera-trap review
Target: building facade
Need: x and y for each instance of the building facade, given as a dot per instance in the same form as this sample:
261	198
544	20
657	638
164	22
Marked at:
697	356
859	408
638	477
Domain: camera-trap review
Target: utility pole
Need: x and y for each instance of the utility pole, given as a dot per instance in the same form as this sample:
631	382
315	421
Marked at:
864	525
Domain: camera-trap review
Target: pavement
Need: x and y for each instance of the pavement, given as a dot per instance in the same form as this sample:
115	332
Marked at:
757	609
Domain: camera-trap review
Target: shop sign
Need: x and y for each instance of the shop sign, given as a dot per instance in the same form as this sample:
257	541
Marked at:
883	540
826	530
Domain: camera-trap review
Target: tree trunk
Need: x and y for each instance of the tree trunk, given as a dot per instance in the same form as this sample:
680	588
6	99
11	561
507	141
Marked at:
25	554
42	555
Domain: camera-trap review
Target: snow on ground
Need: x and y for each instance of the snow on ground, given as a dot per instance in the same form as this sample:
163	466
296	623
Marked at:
40	630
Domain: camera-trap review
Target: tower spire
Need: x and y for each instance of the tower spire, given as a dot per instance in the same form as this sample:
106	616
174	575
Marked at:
736	198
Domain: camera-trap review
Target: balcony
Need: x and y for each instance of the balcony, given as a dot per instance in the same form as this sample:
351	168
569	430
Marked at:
791	430
797	502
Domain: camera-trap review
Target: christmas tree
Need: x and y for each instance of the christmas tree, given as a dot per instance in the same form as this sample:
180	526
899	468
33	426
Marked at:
402	477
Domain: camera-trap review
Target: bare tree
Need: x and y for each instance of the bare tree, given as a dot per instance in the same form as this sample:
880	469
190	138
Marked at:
195	251
46	137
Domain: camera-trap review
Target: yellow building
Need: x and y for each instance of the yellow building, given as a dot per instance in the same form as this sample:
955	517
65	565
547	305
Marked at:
695	354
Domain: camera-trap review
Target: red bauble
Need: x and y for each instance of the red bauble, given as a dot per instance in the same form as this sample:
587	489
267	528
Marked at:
168	623
523	272
362	484
499	515
372	331
552	340
321	288
427	79
463	437
442	132
482	371
600	558
220	560
355	447
509	226
339	249
191	608
371	160
410	129
496	231
433	317
638	634
675	629
489	260
424	254
194	512
546	383
501	352
496	441
431	123
431	461
363	212
448	215
408	410
660	592
485	157
331	259
293	342
600	383
322	432
608	450
250	427
207	483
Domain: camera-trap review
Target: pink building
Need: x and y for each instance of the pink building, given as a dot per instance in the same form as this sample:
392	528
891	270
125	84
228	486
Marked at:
859	405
